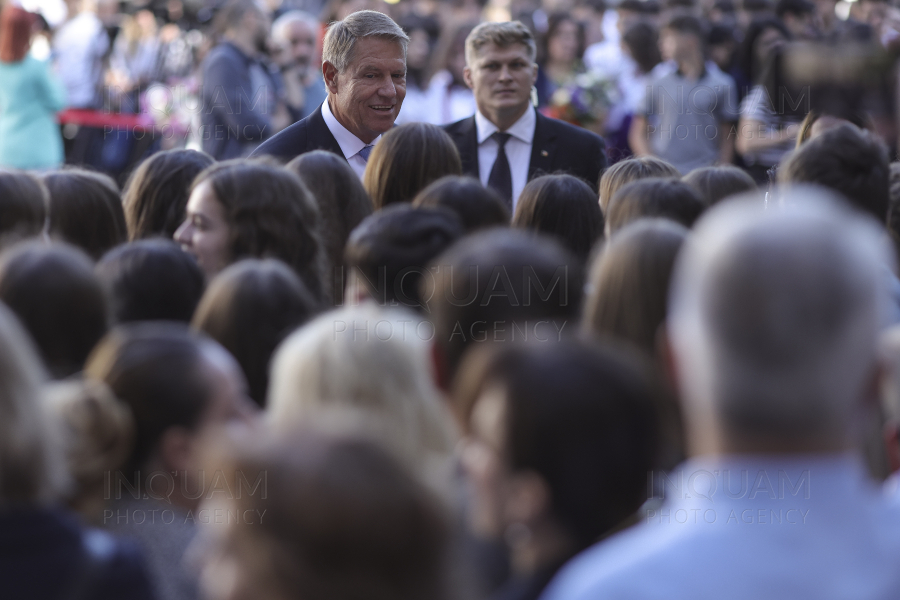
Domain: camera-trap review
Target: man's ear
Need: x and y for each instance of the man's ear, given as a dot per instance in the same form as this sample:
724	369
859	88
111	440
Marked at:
330	74
467	77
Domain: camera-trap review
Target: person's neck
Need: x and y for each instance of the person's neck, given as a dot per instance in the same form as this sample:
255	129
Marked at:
559	71
242	43
361	136
548	545
692	67
504	119
720	440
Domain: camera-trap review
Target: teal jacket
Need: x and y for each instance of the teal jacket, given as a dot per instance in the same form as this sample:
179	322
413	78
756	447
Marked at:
30	97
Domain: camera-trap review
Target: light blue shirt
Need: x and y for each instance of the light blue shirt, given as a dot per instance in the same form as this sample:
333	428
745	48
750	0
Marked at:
750	528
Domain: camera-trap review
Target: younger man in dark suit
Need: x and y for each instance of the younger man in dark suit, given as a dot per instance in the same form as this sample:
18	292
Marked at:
507	142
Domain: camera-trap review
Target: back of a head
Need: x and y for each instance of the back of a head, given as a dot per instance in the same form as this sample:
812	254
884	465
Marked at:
150	280
85	210
654	197
564	207
33	464
629	282
478	207
848	160
390	250
629	170
339	194
365	367
99	433
774	315
23	204
55	293
717	183
249	308
501	285
406	160
344	521
580	415
270	214
155	369
157	192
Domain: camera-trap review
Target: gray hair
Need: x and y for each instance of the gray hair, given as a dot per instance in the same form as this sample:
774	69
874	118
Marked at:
502	35
774	315
341	38
291	17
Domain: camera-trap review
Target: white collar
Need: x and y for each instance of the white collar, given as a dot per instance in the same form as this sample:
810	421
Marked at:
349	143
523	129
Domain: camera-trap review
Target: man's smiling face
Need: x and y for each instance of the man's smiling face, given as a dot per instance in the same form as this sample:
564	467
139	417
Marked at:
366	97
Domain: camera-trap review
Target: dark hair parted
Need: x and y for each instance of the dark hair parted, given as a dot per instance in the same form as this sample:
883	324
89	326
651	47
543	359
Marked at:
632	169
157	192
629	282
55	293
581	416
717	183
390	249
155	369
406	160
249	308
846	159
343	203
270	214
500	284
150	280
478	207
23	204
564	207
85	210
669	198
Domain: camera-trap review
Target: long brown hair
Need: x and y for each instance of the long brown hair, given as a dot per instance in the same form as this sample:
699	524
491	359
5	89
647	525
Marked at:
406	160
15	33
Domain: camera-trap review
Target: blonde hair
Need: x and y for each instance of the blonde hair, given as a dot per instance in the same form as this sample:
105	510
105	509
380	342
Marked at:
99	436
502	35
366	368
32	465
626	171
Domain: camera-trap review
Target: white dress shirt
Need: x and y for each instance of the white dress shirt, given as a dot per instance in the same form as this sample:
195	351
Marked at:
349	143
750	527
518	149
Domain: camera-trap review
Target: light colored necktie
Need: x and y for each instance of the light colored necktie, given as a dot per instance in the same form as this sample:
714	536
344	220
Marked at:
365	152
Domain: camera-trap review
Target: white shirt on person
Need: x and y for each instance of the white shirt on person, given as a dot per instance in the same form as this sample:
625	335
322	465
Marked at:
750	527
518	149
349	143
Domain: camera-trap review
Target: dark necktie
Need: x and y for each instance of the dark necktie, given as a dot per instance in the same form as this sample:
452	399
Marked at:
501	177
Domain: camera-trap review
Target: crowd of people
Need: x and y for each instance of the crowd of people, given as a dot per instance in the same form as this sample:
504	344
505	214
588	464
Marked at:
458	315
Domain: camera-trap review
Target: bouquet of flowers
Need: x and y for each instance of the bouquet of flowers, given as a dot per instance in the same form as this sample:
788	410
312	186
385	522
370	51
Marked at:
584	101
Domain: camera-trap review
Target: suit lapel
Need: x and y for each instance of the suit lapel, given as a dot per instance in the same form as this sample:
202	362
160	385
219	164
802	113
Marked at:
318	131
466	138
542	148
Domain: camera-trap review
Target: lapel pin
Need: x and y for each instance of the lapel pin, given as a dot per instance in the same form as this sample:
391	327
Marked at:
544	153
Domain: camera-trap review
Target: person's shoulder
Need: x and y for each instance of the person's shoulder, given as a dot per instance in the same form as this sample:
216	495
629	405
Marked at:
571	133
459	126
291	141
717	75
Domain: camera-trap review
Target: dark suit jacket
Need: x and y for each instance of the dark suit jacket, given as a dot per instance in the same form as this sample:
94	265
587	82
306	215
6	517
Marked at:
557	147
303	136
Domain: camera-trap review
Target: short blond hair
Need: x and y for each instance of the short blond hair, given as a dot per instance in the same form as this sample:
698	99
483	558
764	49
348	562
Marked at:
502	35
